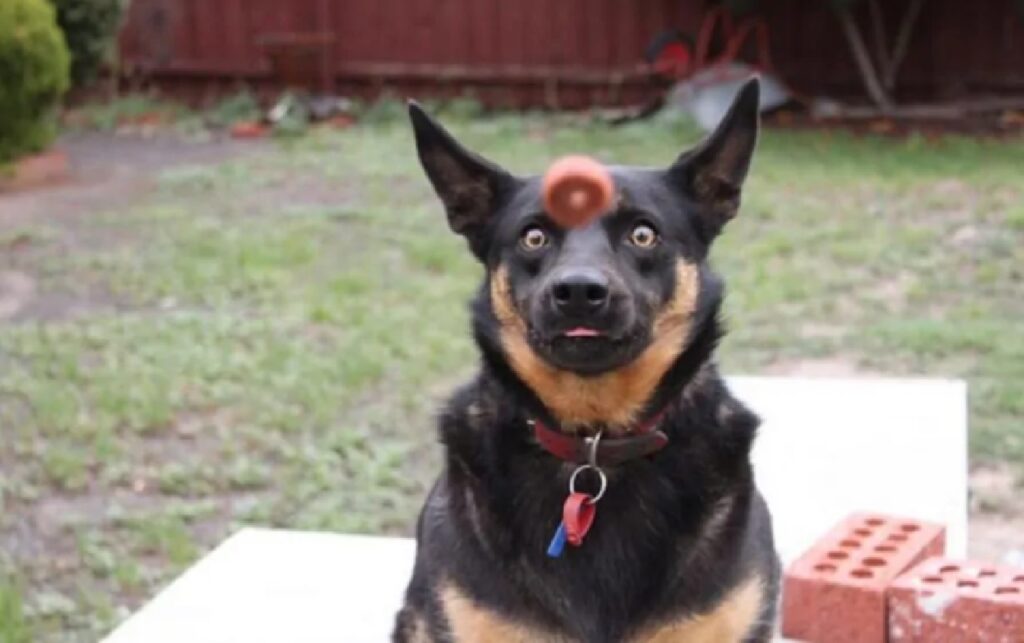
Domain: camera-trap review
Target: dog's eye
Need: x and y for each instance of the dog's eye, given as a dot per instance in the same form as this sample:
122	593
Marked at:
533	238
643	236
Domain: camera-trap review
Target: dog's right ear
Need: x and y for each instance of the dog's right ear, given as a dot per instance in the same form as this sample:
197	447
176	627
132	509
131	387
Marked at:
468	185
714	171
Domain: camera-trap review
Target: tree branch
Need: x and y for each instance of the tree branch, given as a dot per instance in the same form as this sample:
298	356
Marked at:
868	74
899	51
881	41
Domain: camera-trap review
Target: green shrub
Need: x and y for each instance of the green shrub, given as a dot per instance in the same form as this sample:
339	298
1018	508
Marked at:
33	75
90	28
242	106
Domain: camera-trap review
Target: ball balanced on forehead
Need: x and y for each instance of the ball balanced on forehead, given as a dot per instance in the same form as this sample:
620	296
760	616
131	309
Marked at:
576	190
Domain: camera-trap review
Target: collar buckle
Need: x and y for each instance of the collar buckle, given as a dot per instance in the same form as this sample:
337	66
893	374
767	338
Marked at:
647	439
591	444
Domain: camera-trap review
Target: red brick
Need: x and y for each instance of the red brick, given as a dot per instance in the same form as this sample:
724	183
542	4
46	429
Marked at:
957	602
835	592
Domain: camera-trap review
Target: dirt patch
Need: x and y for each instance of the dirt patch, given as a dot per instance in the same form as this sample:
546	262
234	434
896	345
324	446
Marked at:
834	366
107	172
16	289
997	515
994	488
815	330
64	306
997	538
892	291
36	170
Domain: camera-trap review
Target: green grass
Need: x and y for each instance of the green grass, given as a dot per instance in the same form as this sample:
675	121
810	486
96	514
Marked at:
14	628
288	322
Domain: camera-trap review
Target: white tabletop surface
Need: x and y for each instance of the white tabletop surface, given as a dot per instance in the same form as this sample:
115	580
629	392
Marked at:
826	448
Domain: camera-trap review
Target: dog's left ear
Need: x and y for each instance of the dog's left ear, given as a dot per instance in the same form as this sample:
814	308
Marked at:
713	172
468	185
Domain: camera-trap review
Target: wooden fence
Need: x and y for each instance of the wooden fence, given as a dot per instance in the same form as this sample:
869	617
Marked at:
520	53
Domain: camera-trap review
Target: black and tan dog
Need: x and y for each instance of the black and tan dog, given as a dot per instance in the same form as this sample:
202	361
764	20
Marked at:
597	348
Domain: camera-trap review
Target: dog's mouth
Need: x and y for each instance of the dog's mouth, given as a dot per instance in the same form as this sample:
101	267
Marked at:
580	332
587	350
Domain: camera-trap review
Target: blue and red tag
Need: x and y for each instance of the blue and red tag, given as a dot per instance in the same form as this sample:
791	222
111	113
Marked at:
577	517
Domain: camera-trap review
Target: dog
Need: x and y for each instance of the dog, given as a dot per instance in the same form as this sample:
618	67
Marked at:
597	373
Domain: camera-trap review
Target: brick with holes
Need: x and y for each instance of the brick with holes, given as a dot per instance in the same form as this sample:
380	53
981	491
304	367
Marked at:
836	591
957	602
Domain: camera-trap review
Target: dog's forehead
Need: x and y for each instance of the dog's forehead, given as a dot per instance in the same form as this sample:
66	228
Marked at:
642	189
636	188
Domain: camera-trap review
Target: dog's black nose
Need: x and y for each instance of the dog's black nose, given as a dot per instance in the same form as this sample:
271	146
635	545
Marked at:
580	292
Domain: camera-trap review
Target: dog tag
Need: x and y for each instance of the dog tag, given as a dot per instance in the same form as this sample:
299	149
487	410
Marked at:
557	542
578	516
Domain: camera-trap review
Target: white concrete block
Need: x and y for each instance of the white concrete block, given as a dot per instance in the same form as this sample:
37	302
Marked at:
826	448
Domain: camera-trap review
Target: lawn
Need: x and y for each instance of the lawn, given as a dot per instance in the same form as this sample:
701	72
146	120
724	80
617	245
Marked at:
264	340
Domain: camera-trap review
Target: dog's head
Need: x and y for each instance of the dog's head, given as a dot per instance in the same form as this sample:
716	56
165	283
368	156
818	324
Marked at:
591	318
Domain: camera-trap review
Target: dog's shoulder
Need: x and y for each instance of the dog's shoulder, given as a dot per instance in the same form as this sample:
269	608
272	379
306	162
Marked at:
467	421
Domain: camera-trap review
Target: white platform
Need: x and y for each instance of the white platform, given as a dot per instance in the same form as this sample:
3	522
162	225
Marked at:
826	448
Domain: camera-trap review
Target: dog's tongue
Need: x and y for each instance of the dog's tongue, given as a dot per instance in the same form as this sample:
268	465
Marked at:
581	331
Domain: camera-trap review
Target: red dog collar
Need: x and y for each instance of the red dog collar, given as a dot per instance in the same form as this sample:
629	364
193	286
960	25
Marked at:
608	451
592	453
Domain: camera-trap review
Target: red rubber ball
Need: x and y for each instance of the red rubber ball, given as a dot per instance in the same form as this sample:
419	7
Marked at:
576	190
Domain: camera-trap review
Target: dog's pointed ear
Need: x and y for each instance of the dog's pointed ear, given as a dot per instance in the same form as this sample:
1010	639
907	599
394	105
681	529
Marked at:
714	171
468	185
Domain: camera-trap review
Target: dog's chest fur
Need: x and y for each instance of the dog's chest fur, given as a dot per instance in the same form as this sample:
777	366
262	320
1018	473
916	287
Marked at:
654	545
